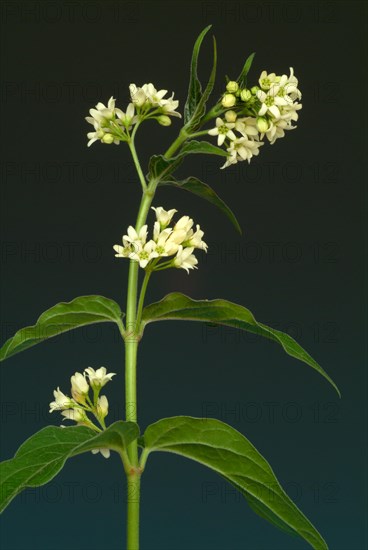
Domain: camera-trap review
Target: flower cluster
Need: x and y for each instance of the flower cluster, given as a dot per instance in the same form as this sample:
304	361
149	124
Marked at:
176	243
76	407
112	125
267	110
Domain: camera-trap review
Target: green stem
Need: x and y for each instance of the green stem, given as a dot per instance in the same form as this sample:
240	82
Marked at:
141	298
133	317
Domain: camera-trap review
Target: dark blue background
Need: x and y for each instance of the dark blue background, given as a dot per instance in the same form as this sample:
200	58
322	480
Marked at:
298	267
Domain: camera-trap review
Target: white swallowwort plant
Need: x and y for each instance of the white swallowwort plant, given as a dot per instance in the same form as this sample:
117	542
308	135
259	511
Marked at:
237	125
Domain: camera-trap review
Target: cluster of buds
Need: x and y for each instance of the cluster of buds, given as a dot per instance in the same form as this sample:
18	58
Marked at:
267	110
112	125
81	404
176	243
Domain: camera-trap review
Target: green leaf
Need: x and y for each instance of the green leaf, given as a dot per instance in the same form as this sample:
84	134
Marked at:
63	317
242	78
195	121
180	307
161	168
195	88
226	451
201	189
44	454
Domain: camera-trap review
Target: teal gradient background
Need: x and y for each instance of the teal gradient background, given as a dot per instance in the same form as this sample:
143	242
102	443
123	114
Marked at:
298	267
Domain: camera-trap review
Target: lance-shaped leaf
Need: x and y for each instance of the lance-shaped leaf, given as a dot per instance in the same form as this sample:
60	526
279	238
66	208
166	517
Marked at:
226	451
161	168
195	88
180	307
200	110
44	454
63	317
242	78
201	189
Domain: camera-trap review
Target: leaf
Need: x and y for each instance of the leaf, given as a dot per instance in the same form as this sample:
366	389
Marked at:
62	317
242	78
180	307
160	167
201	189
195	88
227	452
44	454
195	121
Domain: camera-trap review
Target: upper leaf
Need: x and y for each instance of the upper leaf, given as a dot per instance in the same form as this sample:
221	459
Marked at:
242	78
201	189
230	454
161	168
62	317
195	88
43	455
181	307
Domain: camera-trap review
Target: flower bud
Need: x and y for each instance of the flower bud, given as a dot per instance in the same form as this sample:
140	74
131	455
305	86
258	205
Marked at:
255	89
228	100
74	414
262	124
230	116
164	120
232	86
245	95
80	387
108	138
102	406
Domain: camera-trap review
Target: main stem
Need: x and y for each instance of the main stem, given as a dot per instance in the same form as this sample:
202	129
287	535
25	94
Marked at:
131	349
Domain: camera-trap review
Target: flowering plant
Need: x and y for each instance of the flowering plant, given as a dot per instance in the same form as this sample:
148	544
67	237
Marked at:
240	121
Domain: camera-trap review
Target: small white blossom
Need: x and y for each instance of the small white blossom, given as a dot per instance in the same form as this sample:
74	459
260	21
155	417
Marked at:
145	254
105	452
266	80
223	130
195	239
98	378
128	118
78	415
242	149
247	127
137	95
61	402
163	216
185	259
270	103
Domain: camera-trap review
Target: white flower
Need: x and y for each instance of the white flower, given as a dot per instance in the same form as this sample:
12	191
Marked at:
77	415
184	259
98	378
247	127
102	113
105	452
102	406
80	386
154	97
169	105
164	247
62	401
137	95
145	254
194	239
163	216
242	149
277	130
271	102
266	80
223	130
127	118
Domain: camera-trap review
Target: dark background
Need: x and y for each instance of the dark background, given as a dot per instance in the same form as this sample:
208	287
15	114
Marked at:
298	267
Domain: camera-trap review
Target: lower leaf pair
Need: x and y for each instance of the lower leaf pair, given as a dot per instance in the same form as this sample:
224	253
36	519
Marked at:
207	441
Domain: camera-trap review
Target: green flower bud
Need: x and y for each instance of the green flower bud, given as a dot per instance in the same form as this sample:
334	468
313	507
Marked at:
254	90
230	116
164	120
262	124
228	100
232	86
245	95
108	138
